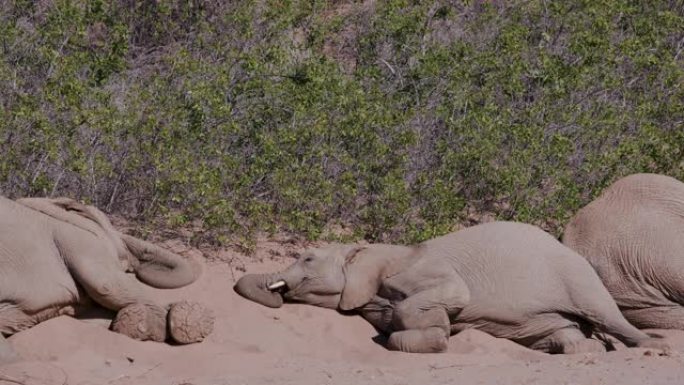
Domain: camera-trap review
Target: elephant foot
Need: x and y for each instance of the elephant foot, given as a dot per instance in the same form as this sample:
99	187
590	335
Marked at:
190	322
144	322
569	340
185	322
430	340
654	343
586	345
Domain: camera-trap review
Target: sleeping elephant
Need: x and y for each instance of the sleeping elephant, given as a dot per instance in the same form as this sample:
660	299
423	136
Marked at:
508	279
56	255
633	235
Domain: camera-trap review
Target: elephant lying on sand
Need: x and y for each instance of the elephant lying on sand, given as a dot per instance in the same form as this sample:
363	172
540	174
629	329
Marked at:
633	235
57	254
508	279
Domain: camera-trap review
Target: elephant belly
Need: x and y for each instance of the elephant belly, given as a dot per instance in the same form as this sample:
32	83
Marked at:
518	327
634	293
641	266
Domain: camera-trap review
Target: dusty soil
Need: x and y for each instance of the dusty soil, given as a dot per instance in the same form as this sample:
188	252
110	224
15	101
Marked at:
299	344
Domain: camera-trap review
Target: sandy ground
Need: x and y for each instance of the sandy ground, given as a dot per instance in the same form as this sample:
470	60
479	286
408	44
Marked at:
303	345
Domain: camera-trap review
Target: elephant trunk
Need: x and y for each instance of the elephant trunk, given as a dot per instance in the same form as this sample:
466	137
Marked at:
264	289
159	267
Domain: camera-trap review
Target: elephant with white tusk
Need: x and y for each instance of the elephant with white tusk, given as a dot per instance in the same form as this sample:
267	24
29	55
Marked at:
56	255
508	279
633	235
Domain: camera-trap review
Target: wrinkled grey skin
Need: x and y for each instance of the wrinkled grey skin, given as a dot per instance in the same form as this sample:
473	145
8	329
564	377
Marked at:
508	279
57	254
633	235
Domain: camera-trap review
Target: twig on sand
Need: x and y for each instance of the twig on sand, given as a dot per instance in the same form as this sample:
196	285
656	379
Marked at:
435	367
232	273
133	378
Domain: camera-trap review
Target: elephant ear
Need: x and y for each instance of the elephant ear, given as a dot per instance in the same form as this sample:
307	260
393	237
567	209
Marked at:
362	273
67	210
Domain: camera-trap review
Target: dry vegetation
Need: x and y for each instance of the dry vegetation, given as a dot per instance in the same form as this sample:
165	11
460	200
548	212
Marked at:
384	120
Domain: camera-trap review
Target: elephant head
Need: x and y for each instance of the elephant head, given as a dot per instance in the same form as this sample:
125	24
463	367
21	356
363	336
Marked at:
151	264
338	276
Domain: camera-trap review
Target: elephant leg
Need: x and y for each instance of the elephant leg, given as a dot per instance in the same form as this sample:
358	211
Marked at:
109	286
568	340
7	353
594	304
97	268
378	312
429	308
661	317
421	321
138	316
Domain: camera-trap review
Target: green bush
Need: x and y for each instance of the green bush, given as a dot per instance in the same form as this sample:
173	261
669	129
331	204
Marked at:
390	121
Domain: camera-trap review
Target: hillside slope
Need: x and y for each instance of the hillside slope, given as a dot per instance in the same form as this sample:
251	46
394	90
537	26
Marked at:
391	121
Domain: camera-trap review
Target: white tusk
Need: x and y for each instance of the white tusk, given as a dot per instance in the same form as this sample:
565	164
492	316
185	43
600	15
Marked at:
276	285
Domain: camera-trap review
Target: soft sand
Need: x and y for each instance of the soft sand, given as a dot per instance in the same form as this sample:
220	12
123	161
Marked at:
303	345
